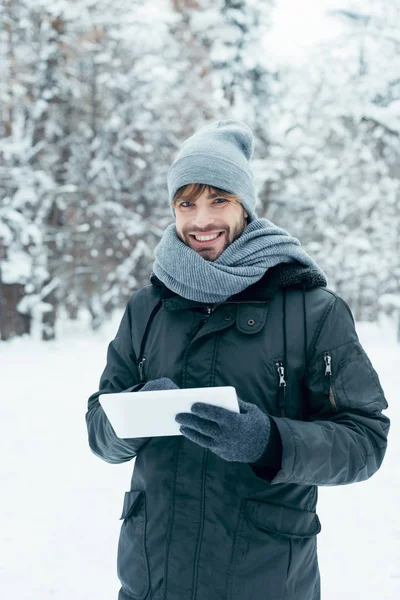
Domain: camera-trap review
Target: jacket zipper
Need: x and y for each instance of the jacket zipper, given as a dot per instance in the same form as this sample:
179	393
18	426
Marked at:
209	310
282	387
328	380
204	320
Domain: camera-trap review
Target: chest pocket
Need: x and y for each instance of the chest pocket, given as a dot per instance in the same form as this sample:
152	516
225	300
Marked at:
251	317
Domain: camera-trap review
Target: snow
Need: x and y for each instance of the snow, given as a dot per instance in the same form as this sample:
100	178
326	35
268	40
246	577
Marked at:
17	268
60	505
299	27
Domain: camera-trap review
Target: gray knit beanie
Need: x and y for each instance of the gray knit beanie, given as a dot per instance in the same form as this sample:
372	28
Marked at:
217	155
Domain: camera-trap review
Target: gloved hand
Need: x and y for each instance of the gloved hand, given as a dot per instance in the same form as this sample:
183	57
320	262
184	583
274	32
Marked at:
164	383
240	437
159	384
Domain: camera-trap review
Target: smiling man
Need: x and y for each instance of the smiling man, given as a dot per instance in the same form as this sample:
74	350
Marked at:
227	509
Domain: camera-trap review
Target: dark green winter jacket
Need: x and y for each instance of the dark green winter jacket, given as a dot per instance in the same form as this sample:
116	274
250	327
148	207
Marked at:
196	527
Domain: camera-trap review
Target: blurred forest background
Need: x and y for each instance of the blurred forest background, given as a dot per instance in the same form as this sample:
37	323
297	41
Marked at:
95	99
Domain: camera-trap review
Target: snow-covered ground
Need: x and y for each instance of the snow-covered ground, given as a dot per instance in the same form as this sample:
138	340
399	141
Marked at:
60	505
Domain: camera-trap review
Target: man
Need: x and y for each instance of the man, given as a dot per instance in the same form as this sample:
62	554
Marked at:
226	511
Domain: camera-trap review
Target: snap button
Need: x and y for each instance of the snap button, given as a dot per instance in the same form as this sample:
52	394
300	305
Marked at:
228	317
250	322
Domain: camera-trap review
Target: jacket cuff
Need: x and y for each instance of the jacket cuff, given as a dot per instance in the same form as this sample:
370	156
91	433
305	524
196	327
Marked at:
272	456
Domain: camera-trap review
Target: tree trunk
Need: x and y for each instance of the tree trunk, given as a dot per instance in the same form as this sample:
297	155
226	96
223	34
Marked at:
49	317
12	322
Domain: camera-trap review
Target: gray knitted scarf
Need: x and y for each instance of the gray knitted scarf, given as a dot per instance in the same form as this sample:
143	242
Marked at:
260	246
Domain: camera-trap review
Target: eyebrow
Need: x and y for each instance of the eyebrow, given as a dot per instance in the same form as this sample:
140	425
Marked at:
212	195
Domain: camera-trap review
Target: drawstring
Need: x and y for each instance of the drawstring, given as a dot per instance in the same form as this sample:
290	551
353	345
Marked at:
283	396
284	329
305	324
282	369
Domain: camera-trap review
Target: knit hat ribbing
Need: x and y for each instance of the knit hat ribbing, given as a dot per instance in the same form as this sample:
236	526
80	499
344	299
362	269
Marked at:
217	155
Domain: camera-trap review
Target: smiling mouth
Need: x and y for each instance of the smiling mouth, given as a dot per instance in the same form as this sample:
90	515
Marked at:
206	242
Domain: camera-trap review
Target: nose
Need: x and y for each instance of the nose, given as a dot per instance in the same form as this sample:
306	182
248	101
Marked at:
203	219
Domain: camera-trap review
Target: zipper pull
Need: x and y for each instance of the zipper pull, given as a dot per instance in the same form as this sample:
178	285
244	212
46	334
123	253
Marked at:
328	372
209	311
141	368
282	387
328	367
281	372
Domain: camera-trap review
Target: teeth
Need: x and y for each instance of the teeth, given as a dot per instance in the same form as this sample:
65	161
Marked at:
204	238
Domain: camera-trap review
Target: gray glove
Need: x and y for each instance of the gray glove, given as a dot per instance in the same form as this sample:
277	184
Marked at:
240	437
159	384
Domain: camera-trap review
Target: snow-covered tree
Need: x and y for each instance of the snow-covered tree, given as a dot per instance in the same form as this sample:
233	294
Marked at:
332	174
95	101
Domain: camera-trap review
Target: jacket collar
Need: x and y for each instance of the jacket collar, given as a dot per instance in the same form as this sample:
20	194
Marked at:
284	275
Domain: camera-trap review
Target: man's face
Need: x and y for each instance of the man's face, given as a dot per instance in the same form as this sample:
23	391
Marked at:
210	213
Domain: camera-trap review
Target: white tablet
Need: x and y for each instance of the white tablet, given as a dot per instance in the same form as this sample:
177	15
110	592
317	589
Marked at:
150	414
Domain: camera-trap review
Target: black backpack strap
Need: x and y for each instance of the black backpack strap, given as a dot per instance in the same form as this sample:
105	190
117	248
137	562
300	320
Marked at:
142	358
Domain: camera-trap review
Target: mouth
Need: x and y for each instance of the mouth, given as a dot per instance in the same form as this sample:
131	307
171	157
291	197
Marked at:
206	243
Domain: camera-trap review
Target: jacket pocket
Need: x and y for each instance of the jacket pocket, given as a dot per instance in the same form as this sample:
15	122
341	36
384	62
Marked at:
274	549
352	380
357	385
132	561
343	378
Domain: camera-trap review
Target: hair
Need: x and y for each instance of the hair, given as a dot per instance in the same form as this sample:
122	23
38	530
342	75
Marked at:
192	191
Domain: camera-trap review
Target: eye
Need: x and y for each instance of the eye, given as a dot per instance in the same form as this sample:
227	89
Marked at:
187	203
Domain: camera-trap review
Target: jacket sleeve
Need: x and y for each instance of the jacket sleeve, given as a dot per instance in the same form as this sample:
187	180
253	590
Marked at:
270	462
344	438
120	375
